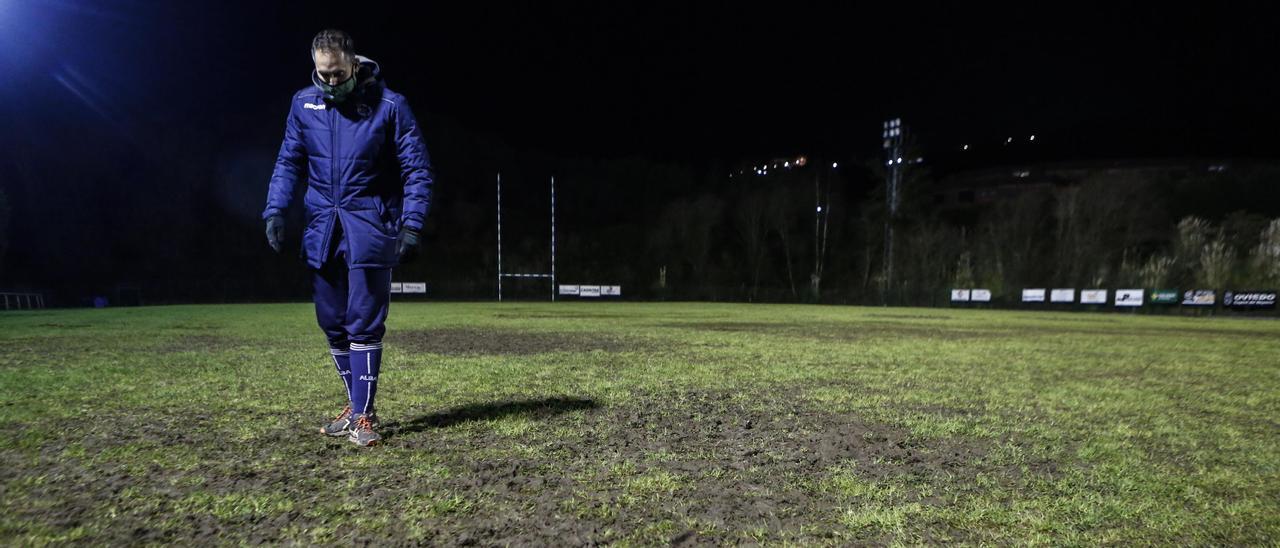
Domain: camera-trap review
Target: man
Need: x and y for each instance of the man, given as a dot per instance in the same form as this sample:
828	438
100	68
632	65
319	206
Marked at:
361	153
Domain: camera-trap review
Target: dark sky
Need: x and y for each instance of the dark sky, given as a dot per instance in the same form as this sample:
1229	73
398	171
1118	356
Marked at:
138	136
673	81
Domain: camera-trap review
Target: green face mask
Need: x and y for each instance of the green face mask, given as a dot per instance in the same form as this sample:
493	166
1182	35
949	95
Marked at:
340	92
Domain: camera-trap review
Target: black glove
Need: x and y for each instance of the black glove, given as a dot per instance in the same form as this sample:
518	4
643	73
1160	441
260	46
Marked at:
407	245
275	232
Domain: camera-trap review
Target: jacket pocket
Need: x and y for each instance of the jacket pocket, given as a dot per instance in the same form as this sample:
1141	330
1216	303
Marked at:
384	217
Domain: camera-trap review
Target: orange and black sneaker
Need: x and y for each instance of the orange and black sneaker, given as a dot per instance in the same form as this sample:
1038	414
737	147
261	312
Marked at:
361	431
340	423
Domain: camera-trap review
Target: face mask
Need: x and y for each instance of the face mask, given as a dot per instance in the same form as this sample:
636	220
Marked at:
340	92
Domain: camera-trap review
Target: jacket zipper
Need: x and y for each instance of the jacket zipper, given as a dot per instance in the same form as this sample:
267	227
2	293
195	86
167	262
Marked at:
333	185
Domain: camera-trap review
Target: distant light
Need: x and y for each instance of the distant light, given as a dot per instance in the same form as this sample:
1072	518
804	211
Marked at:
1009	140
834	165
1033	137
819	209
899	160
966	147
786	164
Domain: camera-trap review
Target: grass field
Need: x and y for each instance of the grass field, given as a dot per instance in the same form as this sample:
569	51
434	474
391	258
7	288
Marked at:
581	423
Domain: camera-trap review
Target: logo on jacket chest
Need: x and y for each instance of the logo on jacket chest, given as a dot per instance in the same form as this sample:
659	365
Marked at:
313	106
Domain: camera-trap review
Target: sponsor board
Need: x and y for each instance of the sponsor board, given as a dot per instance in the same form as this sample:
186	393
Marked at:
980	295
611	290
396	287
1164	296
960	295
1199	297
1032	295
568	290
1062	296
1129	297
1249	299
1093	296
420	287
589	291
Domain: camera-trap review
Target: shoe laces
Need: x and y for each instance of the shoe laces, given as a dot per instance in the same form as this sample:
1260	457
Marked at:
363	423
346	412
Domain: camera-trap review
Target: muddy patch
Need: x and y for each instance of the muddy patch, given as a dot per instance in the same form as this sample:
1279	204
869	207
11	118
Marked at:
833	331
56	326
687	467
705	458
560	316
908	316
472	342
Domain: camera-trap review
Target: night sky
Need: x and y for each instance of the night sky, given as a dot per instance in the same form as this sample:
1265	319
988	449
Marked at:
111	99
674	81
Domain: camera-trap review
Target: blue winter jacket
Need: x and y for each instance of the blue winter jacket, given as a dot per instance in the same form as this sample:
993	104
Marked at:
365	165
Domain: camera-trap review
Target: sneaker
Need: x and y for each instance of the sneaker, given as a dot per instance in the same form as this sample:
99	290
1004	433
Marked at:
342	423
361	431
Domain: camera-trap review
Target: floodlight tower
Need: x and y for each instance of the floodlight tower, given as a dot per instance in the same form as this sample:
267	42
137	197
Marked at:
893	135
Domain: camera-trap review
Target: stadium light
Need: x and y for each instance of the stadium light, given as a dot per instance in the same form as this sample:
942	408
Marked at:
834	165
1033	137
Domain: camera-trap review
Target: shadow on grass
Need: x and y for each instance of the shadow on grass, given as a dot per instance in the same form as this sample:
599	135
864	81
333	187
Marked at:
535	409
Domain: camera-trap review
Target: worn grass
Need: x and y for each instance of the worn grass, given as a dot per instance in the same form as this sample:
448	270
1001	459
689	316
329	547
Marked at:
642	424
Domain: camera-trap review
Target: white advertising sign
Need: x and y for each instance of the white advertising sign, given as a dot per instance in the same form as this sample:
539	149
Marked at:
1129	297
589	291
611	290
396	287
420	287
568	290
1093	296
1062	296
980	296
960	295
1032	295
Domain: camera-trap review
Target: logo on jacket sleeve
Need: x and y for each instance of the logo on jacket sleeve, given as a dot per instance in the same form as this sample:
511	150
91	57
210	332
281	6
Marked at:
313	106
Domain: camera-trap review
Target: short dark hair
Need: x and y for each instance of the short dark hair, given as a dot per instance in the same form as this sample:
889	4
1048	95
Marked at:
334	41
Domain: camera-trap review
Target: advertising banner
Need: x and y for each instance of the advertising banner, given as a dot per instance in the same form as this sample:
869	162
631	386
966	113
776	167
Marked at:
568	290
1093	296
980	296
1164	296
960	295
611	290
396	287
1062	296
1252	300
1129	297
589	291
420	287
1032	295
1199	297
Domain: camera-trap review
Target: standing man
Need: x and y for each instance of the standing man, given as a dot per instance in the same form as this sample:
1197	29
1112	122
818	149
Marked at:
361	153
